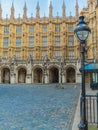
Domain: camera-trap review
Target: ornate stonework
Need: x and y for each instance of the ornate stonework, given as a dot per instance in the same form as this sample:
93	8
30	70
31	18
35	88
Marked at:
44	50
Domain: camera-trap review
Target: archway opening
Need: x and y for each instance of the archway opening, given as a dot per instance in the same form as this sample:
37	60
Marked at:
53	75
71	77
38	75
22	75
6	75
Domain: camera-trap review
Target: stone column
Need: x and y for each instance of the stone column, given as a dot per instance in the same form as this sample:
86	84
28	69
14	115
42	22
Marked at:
48	76
12	78
45	74
29	78
12	73
29	73
46	79
63	78
61	72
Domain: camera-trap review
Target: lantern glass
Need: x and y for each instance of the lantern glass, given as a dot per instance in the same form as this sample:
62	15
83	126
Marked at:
82	30
82	35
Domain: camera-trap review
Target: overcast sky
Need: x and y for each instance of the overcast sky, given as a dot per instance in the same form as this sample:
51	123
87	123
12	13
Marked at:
44	7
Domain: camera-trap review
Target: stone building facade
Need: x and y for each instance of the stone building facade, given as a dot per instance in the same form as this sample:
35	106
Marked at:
44	49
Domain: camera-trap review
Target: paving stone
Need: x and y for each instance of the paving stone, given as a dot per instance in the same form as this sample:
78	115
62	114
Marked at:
37	107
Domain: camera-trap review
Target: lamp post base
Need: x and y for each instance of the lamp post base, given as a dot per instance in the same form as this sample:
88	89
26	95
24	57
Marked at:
82	126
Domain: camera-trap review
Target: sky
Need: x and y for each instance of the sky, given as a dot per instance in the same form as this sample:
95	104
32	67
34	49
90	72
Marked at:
44	7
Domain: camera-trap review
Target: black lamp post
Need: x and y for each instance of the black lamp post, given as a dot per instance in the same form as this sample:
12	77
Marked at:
82	32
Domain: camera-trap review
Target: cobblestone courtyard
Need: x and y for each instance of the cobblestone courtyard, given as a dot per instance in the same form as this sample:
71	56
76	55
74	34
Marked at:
37	107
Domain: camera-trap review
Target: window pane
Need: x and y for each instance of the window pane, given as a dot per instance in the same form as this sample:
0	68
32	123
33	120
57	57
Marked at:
18	29
57	28
5	42
44	29
44	41
31	29
18	41
58	53
71	54
57	41
70	40
6	30
70	28
31	41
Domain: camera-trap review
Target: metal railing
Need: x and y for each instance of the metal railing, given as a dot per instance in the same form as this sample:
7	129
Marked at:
92	109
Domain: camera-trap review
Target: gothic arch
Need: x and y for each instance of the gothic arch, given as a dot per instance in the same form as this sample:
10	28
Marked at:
70	75
53	74
52	65
36	66
21	66
22	75
5	75
70	66
37	74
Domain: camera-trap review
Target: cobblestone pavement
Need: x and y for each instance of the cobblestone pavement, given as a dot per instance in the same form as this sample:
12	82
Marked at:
37	107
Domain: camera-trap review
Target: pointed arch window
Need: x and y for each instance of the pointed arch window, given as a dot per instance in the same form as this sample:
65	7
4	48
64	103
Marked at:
6	30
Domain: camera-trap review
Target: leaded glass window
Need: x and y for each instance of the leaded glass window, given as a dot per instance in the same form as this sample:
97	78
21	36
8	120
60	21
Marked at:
71	40
31	41
57	41
5	42
31	29
44	29
18	42
44	41
6	30
18	29
71	54
57	28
